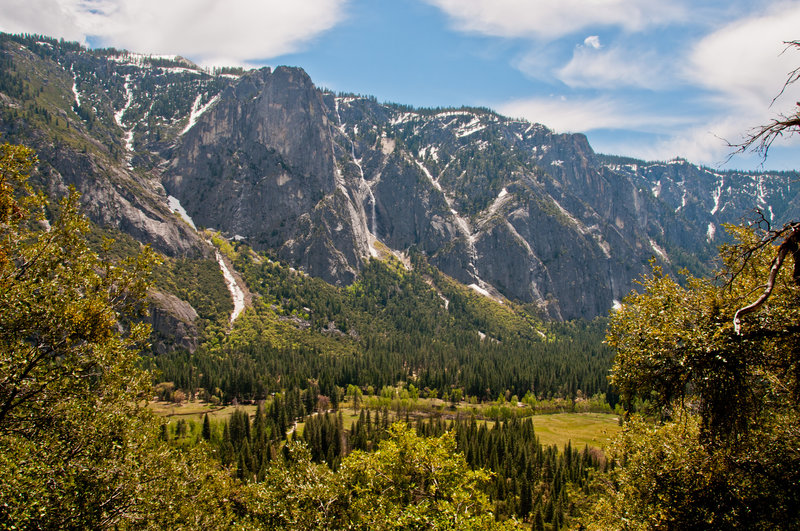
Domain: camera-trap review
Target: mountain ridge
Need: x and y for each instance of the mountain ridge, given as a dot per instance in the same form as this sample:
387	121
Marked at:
321	181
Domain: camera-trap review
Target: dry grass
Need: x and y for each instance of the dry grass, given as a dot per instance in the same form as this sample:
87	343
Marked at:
593	429
195	410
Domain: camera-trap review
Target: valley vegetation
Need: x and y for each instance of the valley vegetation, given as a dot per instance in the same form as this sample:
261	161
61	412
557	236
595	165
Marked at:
80	450
444	383
707	443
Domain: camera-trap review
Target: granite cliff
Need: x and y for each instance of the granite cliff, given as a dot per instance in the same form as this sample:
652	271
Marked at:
325	182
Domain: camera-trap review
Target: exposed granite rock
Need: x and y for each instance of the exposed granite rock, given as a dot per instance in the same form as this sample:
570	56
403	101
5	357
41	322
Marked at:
317	179
173	322
260	165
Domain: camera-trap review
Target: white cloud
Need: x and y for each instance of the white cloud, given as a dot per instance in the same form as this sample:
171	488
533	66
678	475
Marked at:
699	144
591	67
731	76
211	32
592	41
47	17
649	134
744	62
581	115
743	66
547	19
703	144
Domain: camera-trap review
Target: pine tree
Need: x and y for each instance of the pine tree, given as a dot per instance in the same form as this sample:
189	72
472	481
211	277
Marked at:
206	433
538	521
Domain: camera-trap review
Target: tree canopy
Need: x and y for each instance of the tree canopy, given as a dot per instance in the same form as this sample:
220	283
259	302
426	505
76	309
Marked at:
713	445
76	449
407	482
712	369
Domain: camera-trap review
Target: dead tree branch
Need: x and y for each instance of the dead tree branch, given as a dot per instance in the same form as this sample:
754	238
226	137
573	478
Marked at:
761	138
790	244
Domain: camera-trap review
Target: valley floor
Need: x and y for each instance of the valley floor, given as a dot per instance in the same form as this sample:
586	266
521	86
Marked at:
580	429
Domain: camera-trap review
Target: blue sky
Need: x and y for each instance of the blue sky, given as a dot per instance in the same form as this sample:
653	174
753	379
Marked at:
653	79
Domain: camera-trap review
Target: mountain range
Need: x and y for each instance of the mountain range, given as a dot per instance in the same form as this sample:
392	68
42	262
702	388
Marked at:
325	182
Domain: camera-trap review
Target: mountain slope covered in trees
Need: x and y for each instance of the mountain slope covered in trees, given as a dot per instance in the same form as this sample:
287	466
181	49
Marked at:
324	182
437	242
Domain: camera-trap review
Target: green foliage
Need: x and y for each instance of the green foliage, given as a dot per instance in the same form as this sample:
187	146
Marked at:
76	451
298	495
528	477
59	306
408	482
722	452
411	482
667	481
200	283
392	325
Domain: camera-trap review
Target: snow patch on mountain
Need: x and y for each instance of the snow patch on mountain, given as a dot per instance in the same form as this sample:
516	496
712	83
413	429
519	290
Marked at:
710	232
197	111
470	128
658	250
175	206
716	195
76	93
237	294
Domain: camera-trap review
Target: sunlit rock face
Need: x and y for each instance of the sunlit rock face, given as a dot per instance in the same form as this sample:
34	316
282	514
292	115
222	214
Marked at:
325	182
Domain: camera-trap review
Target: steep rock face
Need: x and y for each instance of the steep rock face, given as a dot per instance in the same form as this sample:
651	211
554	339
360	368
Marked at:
531	258
83	140
260	165
318	180
173	323
708	198
330	241
410	209
112	196
509	205
486	212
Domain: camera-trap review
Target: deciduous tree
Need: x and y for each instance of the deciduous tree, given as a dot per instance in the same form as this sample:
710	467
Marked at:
715	447
76	449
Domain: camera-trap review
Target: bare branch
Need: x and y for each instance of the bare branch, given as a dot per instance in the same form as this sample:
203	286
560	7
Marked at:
742	256
794	75
791	244
760	139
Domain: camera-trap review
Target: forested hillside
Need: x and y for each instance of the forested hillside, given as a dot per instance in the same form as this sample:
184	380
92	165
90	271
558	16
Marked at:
413	326
406	313
324	182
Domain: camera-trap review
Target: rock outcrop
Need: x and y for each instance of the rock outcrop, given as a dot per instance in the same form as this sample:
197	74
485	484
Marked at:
260	165
173	322
324	181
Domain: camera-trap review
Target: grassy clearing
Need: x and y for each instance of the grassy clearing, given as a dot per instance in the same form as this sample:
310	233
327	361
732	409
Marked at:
348	417
593	429
194	411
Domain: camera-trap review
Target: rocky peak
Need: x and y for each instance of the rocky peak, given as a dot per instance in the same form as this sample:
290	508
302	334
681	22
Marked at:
323	181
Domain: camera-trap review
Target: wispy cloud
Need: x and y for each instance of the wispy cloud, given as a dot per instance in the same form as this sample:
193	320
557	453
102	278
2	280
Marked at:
593	66
745	62
210	32
743	66
705	94
48	17
698	143
586	114
545	19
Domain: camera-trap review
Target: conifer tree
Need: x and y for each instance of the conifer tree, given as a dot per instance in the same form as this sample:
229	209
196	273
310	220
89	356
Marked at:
206	433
